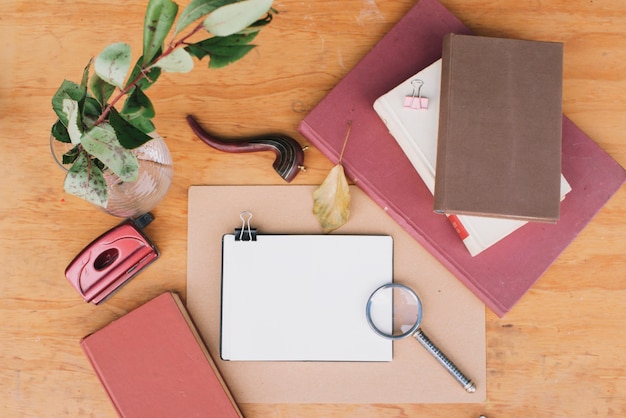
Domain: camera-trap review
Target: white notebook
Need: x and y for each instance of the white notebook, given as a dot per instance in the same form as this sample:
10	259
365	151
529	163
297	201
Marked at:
302	297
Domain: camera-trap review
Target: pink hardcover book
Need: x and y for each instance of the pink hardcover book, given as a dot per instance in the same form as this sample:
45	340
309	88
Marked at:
153	363
502	274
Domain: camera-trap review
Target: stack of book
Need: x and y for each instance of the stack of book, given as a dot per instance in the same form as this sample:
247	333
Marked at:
516	183
499	139
499	154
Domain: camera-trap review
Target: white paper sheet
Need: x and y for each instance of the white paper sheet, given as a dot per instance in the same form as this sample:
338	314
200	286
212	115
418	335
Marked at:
303	297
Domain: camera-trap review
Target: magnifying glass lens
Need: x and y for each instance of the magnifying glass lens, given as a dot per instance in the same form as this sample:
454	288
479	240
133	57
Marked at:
394	311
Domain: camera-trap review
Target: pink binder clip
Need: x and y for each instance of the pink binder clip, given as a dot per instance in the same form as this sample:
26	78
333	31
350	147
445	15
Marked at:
415	100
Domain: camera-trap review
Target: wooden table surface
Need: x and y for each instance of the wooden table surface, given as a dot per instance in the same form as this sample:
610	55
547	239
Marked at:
559	352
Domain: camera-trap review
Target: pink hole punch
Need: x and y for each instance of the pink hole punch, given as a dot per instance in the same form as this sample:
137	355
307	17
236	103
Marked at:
415	100
112	259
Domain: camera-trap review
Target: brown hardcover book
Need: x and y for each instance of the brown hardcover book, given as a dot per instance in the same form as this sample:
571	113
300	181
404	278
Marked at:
153	363
499	143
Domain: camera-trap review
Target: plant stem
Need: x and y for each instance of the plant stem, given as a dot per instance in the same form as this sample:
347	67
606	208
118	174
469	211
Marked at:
121	94
345	141
142	74
182	40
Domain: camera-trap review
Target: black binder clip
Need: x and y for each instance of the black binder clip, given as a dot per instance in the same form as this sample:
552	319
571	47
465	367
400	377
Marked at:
245	233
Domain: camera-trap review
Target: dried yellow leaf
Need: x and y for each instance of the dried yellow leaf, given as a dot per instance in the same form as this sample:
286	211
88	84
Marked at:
331	201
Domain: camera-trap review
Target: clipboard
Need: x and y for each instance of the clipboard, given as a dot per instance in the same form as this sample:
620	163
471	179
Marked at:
454	317
301	297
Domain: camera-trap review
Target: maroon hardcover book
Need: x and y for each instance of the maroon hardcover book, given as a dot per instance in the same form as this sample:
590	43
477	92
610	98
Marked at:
502	274
153	363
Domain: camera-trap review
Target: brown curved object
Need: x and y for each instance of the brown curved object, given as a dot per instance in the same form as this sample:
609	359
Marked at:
289	155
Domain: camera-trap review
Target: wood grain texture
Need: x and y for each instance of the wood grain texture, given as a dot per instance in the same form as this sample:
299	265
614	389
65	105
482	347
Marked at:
559	352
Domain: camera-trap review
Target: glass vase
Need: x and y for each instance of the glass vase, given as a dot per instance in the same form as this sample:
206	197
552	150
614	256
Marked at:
131	199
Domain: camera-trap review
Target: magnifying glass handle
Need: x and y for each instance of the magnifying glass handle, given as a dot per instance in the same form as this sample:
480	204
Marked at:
467	384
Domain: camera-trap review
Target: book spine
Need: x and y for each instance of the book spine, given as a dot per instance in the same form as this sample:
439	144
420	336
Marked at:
305	129
86	347
440	174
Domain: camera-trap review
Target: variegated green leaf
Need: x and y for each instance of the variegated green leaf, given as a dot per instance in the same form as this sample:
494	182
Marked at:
138	103
113	63
143	78
72	112
223	50
197	9
67	90
142	123
59	132
103	144
129	135
235	17
101	90
179	61
138	110
160	16
70	156
85	79
85	180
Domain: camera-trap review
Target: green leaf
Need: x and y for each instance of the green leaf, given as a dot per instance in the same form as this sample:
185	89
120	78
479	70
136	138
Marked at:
128	135
160	15
113	63
144	124
91	112
197	9
85	180
92	107
138	111
138	103
235	17
223	50
103	144
85	79
59	132
227	55
70	156
179	61
101	90
74	120
150	76
67	90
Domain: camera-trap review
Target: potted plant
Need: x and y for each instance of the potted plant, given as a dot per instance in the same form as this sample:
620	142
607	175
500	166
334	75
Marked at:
105	120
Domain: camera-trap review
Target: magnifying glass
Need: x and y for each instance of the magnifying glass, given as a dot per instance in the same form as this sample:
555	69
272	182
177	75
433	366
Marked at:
394	311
